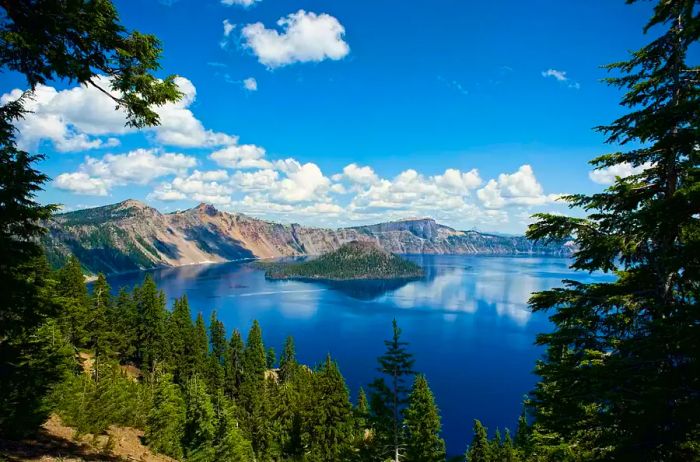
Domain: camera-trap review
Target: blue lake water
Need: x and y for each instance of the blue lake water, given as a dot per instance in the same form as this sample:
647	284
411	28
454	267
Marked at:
467	323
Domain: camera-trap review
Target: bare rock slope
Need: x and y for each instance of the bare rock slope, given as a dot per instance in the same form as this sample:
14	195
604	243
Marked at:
131	236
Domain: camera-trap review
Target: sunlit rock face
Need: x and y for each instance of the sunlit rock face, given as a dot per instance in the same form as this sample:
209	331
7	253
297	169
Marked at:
132	236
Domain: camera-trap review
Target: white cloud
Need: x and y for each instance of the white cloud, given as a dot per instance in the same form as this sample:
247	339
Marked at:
304	37
518	188
303	183
244	3
560	76
209	186
83	118
458	182
81	183
250	84
356	175
607	175
228	27
260	180
241	157
98	176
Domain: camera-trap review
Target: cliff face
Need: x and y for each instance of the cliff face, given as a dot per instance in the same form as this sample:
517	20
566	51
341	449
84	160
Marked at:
131	236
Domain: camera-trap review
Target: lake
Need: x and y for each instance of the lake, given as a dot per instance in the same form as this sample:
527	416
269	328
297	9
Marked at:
467	323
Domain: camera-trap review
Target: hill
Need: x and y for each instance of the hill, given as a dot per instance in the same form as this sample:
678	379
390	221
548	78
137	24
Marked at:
351	261
133	236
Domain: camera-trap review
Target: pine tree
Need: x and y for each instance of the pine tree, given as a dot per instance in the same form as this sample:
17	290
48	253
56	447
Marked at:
331	424
152	321
99	331
270	358
76	42
200	422
397	364
181	334
165	427
422	422
233	370
124	317
479	450
622	367
362	438
231	445
522	434
254	356
288	361
74	301
508	451
200	347
217	355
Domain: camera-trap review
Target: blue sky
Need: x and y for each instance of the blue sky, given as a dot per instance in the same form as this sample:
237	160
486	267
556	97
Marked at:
336	113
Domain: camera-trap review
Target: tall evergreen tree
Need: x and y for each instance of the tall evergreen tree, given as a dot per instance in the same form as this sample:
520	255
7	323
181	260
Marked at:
181	335
217	354
74	301
331	424
422	422
165	427
152	313
75	42
234	365
99	332
231	445
200	424
397	364
622	368
125	319
254	356
288	360
200	345
479	450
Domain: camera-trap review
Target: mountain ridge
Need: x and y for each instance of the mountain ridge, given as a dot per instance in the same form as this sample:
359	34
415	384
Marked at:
131	235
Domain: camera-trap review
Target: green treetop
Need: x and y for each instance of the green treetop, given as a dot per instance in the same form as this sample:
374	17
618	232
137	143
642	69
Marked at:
422	423
389	400
479	450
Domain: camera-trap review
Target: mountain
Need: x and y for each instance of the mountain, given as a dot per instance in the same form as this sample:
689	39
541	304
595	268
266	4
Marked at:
351	261
131	236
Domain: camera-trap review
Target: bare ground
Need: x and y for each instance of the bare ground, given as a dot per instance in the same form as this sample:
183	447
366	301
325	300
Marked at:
57	442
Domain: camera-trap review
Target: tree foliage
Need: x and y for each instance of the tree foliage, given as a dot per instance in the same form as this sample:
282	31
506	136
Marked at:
621	373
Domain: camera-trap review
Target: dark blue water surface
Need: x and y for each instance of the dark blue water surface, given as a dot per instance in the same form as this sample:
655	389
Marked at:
467	323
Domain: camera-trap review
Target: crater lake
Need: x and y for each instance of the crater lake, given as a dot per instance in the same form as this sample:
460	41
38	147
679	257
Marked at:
467	323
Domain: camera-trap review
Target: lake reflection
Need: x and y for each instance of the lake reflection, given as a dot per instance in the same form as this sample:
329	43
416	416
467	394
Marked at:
467	323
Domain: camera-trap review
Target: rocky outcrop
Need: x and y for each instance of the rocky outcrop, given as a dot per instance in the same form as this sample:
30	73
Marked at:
131	236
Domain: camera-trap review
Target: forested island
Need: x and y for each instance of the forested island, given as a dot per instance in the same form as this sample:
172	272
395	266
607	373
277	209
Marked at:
355	260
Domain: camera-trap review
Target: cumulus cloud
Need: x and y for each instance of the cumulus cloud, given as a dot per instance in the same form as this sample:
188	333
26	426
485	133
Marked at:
241	157
250	84
607	175
83	118
303	37
518	188
303	182
81	183
209	186
560	76
97	176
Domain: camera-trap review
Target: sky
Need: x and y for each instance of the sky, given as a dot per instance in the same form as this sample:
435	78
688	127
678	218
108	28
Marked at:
346	112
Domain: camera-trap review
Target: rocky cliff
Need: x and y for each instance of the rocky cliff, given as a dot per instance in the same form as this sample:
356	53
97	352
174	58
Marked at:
131	236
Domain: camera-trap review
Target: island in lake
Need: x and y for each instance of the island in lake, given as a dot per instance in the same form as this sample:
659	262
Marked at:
355	260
